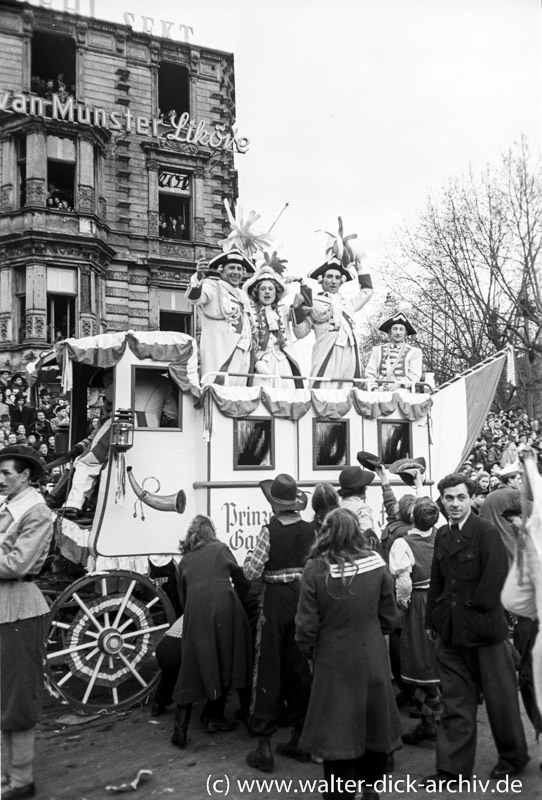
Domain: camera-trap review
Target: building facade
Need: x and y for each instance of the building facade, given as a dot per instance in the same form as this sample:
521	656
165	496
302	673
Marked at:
116	154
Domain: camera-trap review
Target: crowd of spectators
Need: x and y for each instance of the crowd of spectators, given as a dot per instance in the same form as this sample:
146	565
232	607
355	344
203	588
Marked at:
22	422
171	227
48	87
496	451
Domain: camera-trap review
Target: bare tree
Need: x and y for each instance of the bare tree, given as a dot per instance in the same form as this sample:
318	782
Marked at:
470	266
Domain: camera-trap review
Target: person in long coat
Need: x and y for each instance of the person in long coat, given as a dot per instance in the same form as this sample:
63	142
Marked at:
346	606
216	642
410	562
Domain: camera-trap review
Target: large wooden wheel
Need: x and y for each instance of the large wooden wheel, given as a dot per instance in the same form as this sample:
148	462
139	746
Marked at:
101	635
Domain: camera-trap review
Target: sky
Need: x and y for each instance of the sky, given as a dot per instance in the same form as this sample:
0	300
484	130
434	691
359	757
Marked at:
359	108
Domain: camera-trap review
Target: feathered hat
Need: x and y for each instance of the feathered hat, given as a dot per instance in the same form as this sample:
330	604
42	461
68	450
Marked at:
272	269
242	243
341	255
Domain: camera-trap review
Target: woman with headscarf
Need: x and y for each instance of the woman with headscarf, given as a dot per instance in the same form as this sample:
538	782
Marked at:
216	643
272	346
346	607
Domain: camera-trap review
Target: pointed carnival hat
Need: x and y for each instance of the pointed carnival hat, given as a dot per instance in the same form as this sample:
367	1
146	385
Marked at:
241	244
341	255
272	269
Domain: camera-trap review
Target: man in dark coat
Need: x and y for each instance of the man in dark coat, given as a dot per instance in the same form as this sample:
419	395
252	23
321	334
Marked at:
280	670
466	619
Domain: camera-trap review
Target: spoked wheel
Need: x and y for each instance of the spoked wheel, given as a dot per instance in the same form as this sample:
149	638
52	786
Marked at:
101	635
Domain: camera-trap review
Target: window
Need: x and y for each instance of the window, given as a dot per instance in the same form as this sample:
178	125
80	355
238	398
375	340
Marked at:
173	90
175	312
174	192
61	294
156	399
330	444
253	444
394	441
60	173
20	144
53	66
19	289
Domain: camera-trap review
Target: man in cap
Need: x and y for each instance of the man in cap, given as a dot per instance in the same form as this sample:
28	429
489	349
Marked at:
395	364
5	379
280	670
501	498
331	316
354	482
226	319
26	529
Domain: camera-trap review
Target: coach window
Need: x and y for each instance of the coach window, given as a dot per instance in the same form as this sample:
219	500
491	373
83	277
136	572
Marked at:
394	441
156	398
330	444
53	67
253	443
174	193
173	90
61	161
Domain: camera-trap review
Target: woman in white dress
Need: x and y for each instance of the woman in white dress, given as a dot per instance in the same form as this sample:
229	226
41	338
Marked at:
273	357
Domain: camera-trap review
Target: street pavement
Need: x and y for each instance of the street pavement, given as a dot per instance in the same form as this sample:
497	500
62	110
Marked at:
78	758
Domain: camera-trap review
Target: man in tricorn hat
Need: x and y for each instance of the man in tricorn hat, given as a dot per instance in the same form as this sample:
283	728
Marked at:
330	315
280	670
26	529
226	319
396	363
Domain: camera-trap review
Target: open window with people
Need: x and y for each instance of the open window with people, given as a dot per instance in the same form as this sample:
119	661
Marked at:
156	399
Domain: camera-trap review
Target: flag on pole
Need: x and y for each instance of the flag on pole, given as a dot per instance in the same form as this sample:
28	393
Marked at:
459	410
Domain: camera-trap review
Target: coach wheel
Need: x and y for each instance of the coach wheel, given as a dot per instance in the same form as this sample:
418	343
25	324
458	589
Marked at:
101	636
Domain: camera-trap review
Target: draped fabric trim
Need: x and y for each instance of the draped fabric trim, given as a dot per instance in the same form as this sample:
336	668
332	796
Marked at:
107	349
241	401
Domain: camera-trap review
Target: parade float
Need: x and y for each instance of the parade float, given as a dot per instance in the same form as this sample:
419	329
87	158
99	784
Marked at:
180	443
103	627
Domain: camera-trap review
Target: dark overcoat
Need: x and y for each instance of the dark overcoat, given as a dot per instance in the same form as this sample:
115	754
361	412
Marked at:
352	706
467	575
216	643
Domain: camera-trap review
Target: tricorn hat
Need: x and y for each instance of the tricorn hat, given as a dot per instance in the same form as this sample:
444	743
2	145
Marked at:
354	478
332	263
369	460
407	468
282	492
264	273
227	259
23	452
398	319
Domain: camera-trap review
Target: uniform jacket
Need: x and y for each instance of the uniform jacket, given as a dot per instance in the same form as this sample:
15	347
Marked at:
332	319
226	322
467	575
405	367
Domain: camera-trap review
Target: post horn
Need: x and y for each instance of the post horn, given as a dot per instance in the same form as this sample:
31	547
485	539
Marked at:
170	502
